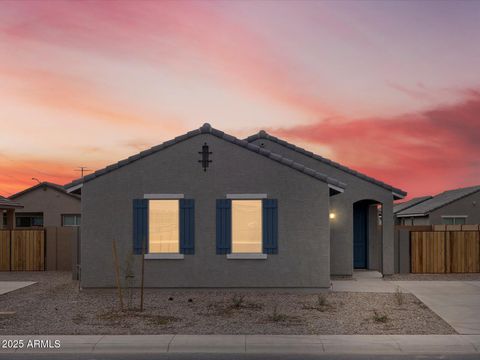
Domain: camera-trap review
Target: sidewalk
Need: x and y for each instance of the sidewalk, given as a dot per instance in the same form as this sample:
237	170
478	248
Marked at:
294	344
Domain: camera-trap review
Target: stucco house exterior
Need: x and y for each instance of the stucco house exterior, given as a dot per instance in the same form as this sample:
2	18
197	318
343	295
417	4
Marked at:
211	210
7	211
357	241
47	204
452	207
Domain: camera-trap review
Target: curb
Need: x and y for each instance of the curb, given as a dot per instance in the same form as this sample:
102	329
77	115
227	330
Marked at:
294	344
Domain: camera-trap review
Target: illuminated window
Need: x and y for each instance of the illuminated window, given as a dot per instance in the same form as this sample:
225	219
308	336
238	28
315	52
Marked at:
246	226
163	226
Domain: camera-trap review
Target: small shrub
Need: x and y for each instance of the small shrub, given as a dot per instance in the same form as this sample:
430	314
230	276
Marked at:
399	296
190	300
170	298
380	318
237	301
277	316
322	301
321	304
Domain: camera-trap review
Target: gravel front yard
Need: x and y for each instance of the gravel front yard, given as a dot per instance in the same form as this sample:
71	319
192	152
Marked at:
56	306
435	277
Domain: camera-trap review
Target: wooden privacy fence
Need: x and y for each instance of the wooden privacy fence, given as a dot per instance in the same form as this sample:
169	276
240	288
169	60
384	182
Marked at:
445	251
22	250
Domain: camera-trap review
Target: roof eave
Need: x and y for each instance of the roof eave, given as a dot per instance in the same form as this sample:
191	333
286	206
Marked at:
262	134
207	129
412	215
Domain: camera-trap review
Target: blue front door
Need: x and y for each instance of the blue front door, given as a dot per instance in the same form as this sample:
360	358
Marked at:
360	235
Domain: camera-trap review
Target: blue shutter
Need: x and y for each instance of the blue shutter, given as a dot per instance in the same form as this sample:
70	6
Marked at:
140	225
187	226
224	226
270	226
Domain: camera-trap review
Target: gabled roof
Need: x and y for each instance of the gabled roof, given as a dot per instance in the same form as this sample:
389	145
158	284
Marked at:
44	184
408	204
438	201
8	204
335	184
398	193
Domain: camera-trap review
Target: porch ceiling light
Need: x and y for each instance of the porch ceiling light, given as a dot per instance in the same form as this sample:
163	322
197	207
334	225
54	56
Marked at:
332	215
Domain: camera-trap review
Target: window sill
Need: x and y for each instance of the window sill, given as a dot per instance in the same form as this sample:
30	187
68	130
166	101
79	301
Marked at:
163	256
246	256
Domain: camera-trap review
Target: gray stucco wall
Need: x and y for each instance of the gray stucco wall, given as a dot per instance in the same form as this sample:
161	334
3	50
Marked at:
469	205
51	203
342	226
303	208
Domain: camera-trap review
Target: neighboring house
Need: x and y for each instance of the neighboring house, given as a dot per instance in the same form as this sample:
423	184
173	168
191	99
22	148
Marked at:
355	239
212	210
47	204
7	210
398	207
452	207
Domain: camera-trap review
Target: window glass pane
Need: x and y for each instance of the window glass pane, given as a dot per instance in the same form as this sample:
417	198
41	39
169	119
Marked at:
448	221
460	221
78	219
68	220
246	226
163	223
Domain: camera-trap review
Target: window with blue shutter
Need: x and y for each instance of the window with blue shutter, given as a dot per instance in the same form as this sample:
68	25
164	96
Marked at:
270	226
140	225
187	226
224	226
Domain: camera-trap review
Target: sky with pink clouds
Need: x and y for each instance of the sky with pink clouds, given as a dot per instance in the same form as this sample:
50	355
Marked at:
389	88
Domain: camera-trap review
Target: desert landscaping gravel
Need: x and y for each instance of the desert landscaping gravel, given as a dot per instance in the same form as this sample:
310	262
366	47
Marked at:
55	305
434	277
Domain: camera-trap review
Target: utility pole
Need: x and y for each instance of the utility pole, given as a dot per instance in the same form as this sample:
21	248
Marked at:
82	169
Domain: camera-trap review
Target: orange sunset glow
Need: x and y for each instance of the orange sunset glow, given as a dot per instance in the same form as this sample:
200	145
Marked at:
391	89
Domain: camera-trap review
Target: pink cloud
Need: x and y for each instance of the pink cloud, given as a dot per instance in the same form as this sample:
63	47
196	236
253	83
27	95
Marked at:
180	35
422	153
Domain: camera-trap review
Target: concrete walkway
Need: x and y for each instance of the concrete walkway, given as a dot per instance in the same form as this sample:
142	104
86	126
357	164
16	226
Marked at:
456	302
364	281
284	344
7	286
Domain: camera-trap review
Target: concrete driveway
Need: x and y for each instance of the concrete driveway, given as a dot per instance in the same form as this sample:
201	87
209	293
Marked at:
7	286
456	302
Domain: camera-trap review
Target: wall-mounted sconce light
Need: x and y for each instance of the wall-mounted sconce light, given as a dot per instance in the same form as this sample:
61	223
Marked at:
332	215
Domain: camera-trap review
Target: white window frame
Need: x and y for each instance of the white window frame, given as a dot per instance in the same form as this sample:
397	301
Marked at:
76	217
247	256
454	217
164	256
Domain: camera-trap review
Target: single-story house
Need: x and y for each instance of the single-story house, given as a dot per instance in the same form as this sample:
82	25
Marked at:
209	210
452	207
7	210
47	204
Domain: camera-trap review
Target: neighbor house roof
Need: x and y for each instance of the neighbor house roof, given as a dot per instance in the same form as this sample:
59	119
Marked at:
408	204
207	129
8	204
398	193
44	184
438	201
